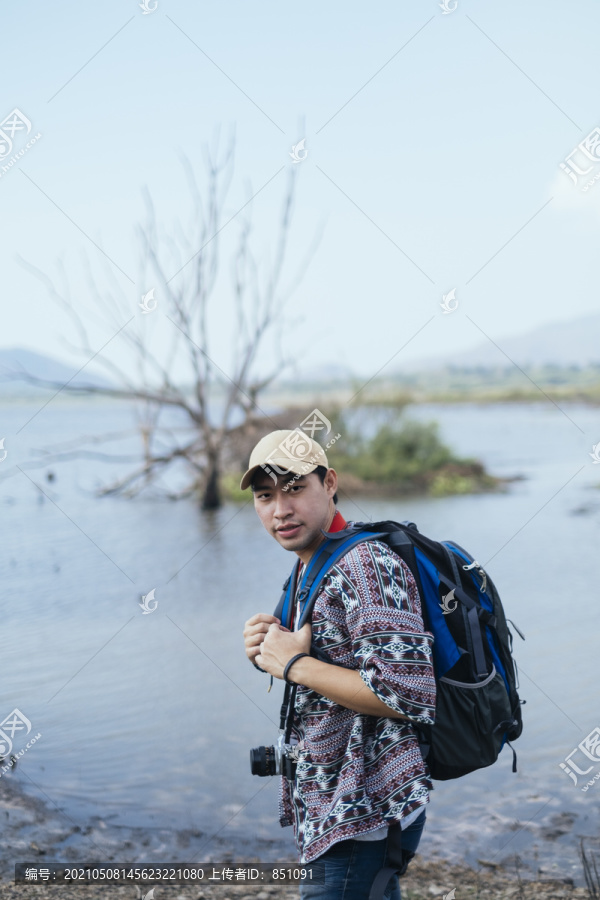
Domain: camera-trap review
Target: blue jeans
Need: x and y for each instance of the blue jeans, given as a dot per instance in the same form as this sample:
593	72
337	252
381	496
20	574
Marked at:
350	866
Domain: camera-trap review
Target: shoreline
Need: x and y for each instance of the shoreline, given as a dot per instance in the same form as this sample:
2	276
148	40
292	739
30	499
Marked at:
424	880
35	833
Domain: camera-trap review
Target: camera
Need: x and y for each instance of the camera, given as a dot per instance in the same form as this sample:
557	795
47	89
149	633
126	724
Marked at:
278	760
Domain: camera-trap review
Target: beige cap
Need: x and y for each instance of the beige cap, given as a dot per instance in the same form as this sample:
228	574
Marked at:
285	451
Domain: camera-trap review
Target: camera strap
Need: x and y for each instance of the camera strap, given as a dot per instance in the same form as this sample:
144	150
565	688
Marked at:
284	613
286	719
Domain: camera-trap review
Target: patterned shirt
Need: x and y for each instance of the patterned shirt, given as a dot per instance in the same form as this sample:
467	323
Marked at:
357	773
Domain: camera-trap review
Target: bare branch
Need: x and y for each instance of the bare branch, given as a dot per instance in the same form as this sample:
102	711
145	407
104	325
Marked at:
186	299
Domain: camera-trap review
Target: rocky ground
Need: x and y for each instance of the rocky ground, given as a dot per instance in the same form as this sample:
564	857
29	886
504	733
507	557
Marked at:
35	833
423	881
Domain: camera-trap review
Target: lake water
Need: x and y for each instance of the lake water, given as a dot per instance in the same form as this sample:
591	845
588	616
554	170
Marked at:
147	720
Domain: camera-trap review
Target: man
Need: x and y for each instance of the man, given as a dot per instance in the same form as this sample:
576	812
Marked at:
360	769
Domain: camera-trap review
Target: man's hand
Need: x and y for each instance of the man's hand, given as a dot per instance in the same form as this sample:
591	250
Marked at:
255	630
271	646
280	645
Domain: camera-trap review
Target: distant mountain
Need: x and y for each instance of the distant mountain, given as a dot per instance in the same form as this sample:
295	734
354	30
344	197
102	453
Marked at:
575	342
18	359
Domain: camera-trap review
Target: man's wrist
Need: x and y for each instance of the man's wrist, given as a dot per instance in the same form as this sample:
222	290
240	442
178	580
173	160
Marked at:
293	670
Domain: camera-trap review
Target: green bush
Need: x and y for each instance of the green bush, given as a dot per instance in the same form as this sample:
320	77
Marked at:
444	484
403	457
230	485
406	457
396	453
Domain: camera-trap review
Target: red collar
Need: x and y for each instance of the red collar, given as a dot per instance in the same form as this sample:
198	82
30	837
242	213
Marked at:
338	523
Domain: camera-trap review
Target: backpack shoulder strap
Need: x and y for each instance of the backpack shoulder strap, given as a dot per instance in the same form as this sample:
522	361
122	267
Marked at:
327	556
284	606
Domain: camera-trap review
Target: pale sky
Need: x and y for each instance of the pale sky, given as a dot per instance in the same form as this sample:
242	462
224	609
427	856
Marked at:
433	149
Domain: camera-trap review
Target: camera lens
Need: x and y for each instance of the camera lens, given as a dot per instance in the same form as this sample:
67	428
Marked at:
262	761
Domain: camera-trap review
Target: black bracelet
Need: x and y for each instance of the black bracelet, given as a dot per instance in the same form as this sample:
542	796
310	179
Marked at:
290	664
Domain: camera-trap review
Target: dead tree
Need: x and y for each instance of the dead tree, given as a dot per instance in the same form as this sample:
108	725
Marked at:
183	268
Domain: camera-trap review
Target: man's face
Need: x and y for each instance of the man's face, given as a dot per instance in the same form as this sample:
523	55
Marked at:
295	517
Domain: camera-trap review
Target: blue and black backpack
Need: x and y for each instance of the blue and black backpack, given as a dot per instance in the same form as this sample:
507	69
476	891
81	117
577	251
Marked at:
478	708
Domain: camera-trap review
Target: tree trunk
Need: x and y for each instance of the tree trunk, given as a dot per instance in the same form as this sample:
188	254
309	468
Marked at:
211	498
